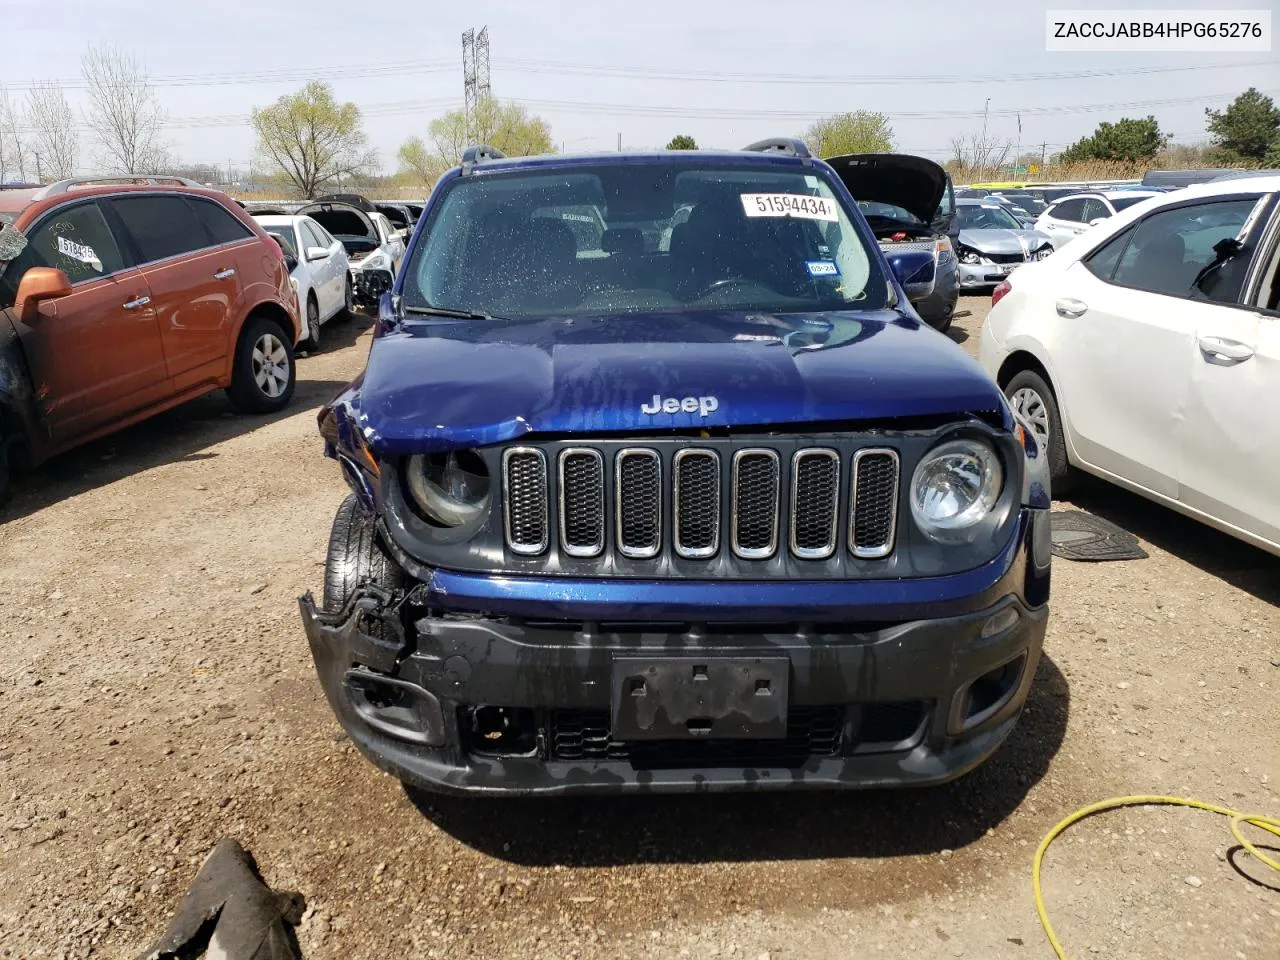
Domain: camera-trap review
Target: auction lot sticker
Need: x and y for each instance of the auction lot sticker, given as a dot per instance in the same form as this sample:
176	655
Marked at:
799	205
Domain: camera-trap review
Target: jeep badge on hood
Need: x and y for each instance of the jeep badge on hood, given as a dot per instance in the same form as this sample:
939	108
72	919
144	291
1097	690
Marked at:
699	405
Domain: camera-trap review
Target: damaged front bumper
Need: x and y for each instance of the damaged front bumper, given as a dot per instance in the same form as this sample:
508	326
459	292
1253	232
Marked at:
471	702
370	284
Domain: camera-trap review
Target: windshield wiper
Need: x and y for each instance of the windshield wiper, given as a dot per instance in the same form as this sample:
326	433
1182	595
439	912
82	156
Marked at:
446	312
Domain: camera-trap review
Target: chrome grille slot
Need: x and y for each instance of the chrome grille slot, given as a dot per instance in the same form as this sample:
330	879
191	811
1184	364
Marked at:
815	496
874	510
638	494
756	481
524	499
581	502
697	503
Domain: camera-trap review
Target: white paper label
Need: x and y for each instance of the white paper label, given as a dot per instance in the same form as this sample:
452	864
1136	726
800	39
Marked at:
79	251
800	205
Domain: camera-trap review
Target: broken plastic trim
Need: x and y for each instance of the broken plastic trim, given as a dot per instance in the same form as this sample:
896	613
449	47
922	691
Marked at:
12	242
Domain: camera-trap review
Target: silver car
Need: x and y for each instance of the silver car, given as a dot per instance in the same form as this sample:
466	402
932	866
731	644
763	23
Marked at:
992	243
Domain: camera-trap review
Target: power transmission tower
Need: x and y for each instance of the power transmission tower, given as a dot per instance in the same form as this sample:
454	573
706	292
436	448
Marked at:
475	74
482	64
469	79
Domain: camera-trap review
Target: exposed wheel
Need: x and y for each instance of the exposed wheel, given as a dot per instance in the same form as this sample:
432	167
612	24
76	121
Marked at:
356	557
1033	399
348	298
313	324
263	378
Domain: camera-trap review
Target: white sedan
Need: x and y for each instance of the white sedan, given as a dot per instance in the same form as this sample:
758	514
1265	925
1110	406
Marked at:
1068	217
320	277
1147	352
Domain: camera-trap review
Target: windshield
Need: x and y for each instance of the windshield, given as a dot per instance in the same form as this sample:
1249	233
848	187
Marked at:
1121	202
986	216
874	210
285	236
624	238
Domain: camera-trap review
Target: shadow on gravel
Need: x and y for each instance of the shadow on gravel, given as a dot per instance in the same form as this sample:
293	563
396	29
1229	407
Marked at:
343	332
175	436
1239	564
958	334
782	826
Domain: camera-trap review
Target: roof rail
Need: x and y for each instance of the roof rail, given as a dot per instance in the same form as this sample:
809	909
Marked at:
478	152
791	146
62	186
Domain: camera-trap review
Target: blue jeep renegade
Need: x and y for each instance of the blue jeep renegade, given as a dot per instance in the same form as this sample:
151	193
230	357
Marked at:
660	484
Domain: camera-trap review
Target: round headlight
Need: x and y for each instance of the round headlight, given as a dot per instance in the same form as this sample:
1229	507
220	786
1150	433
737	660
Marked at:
954	487
451	489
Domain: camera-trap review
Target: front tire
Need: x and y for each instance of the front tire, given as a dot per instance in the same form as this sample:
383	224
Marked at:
357	557
348	298
264	374
1033	399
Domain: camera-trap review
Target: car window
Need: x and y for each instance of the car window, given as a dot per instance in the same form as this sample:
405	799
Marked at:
325	238
985	216
1094	209
1180	252
309	236
161	227
222	226
1102	262
285	235
75	240
1071	210
759	239
1122	203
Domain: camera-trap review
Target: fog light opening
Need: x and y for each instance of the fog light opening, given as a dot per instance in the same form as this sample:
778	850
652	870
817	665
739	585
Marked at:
991	691
999	622
502	731
395	707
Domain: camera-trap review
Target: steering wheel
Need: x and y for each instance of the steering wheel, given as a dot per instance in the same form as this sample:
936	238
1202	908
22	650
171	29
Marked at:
720	284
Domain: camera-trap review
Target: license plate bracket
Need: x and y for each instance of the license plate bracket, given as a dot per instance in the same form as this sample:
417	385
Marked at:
695	698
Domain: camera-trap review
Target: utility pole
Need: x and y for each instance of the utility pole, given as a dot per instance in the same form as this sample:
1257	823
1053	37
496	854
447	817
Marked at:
475	76
1017	154
619	141
39	173
1042	149
985	108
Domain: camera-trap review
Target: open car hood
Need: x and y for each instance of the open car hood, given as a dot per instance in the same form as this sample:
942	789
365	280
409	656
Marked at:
915	184
340	218
354	199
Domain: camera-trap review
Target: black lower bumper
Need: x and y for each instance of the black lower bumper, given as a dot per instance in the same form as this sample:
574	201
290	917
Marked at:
912	703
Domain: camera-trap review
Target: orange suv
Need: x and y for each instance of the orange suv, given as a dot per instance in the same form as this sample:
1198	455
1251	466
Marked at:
122	298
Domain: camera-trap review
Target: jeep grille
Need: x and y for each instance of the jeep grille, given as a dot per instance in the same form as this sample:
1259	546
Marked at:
695	492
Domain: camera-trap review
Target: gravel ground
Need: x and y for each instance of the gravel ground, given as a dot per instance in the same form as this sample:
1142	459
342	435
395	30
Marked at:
156	695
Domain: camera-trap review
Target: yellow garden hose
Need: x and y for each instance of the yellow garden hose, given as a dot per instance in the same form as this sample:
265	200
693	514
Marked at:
1269	824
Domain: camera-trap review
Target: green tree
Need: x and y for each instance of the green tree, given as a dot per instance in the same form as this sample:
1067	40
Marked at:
312	139
507	126
861	131
1247	129
1126	139
418	160
682	141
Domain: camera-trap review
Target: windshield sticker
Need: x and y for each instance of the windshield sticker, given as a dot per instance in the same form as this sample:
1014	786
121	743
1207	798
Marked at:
799	205
79	251
822	268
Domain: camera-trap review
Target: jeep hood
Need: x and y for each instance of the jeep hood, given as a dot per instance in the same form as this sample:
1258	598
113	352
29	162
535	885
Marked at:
434	384
913	183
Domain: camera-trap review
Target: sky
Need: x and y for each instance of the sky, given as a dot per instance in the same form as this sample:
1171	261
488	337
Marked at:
725	72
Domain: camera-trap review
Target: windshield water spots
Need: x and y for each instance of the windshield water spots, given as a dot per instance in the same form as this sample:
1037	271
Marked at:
641	238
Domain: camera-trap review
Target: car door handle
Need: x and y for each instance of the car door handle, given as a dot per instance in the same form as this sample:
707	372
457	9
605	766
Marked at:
225	274
1224	349
137	302
1071	309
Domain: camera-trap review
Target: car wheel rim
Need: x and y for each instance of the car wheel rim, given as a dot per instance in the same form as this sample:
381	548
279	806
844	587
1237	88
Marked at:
313	322
270	365
350	298
1029	405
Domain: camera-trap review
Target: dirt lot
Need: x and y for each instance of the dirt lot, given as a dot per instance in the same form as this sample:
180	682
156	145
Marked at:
156	695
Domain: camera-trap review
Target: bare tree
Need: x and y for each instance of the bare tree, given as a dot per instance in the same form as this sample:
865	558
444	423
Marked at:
312	139
980	153
124	112
54	139
12	157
